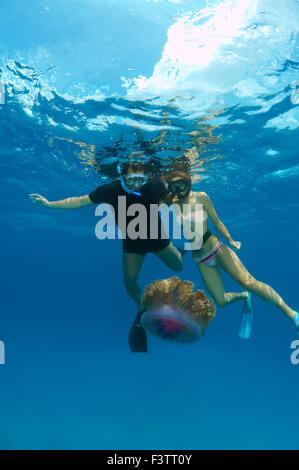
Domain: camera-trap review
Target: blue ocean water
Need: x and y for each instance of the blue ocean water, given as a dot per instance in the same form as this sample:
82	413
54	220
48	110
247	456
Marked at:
218	80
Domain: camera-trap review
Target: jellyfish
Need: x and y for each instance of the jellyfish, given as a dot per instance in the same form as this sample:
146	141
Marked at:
174	312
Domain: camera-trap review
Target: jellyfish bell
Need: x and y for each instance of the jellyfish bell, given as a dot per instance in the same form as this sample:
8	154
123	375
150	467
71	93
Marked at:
172	324
175	312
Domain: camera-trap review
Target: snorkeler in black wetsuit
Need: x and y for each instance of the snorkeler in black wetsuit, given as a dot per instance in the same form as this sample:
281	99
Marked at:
138	185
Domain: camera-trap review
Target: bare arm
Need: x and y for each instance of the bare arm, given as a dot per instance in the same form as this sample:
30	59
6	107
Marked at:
209	208
68	203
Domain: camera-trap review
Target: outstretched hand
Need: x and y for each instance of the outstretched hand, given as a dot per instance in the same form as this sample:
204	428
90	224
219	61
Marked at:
236	245
39	199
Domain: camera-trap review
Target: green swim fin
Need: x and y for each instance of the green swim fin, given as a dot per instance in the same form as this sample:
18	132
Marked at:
137	335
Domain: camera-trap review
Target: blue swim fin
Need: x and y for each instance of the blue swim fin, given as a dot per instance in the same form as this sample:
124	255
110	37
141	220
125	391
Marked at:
246	319
295	320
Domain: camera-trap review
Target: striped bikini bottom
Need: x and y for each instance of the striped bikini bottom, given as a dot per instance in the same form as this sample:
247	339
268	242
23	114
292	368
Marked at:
209	257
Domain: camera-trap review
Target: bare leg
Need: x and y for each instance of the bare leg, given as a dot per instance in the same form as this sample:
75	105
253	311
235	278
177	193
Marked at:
213	282
132	264
171	257
228	260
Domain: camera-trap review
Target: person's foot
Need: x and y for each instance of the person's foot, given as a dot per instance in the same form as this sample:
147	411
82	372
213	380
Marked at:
247	302
139	315
295	320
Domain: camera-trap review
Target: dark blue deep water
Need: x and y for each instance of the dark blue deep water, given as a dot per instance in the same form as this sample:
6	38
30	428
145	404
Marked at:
76	78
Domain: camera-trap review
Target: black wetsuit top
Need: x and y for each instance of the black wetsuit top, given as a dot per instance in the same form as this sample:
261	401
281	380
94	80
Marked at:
152	193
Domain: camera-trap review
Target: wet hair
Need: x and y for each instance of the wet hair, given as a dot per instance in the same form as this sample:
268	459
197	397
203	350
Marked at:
179	167
151	167
177	174
107	169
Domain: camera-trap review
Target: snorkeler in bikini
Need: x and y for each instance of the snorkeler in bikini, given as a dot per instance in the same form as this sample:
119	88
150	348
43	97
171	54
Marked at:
140	186
213	254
